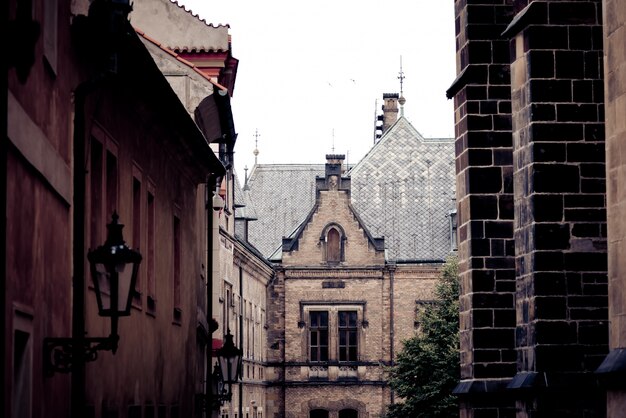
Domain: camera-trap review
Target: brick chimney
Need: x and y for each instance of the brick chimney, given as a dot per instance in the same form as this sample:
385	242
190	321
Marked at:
334	170
390	110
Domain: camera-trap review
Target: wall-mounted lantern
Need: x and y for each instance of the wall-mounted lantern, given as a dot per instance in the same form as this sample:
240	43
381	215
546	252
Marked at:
114	268
227	371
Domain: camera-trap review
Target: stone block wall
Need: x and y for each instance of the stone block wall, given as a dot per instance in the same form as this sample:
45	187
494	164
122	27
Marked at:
532	215
484	169
615	107
560	217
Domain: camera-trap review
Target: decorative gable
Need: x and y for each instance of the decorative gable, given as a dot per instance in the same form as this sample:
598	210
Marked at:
332	233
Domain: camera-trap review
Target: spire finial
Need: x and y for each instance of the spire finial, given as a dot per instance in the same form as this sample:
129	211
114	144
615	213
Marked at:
256	145
401	77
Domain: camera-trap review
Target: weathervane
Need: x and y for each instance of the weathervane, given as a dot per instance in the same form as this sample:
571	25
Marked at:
256	145
401	77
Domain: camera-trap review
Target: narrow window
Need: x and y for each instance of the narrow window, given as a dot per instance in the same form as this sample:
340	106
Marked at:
333	246
111	184
134	411
227	302
136	243
318	336
151	299
176	278
348	346
96	192
149	411
22	374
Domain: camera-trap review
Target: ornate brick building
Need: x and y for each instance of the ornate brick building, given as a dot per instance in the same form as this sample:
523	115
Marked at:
340	310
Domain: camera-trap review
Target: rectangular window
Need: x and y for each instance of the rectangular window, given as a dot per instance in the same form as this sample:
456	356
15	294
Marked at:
228	291
50	25
318	336
176	278
134	411
22	388
151	281
136	242
348	346
96	187
111	185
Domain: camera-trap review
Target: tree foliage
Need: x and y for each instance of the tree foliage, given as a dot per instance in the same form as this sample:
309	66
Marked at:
427	367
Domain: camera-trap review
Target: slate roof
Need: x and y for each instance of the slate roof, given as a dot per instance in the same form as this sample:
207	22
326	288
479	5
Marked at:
403	189
282	195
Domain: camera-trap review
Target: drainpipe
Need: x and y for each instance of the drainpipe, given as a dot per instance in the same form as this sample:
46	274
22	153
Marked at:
216	204
241	339
3	208
392	270
78	250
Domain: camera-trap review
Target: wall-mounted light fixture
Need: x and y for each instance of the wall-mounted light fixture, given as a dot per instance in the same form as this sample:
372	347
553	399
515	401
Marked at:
227	371
113	269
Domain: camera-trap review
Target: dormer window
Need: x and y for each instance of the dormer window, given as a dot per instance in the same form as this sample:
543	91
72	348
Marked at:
332	239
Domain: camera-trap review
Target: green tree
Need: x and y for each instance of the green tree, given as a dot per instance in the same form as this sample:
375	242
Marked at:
427	367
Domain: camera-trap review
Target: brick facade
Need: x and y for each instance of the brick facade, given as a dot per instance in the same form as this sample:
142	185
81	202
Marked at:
308	281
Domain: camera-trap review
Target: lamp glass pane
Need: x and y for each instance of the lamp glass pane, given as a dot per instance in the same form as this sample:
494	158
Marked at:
102	281
124	274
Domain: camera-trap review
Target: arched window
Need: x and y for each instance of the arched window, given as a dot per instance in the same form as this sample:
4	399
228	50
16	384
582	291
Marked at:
348	413
318	413
333	246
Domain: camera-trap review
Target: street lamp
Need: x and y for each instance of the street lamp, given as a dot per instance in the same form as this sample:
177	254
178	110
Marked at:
114	268
227	370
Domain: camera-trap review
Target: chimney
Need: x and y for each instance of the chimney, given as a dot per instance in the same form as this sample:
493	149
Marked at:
390	110
334	169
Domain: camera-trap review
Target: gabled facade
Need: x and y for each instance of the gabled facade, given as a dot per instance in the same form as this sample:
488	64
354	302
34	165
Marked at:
335	322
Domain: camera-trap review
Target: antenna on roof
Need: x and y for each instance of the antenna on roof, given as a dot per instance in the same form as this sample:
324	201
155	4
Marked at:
333	147
376	127
256	145
401	77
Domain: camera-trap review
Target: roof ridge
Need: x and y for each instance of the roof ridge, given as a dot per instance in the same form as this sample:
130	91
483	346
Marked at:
197	16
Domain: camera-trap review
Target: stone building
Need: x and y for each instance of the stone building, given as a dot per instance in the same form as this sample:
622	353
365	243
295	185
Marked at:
339	310
539	133
343	299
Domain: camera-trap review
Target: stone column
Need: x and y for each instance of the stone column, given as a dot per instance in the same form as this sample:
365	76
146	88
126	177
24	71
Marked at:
613	369
485	207
560	217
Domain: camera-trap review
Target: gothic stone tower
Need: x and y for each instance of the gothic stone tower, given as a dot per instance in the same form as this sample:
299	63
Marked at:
531	189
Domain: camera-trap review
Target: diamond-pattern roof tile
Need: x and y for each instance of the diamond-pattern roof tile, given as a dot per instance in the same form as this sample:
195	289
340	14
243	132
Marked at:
403	190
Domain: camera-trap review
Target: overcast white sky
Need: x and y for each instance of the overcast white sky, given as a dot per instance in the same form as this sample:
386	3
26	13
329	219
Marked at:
308	69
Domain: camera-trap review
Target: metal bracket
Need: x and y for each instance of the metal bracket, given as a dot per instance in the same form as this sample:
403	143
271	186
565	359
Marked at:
59	352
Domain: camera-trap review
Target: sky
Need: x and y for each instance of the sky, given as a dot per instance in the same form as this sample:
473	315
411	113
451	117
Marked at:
312	74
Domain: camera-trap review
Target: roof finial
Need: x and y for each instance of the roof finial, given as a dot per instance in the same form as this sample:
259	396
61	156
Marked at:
401	77
256	145
245	185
